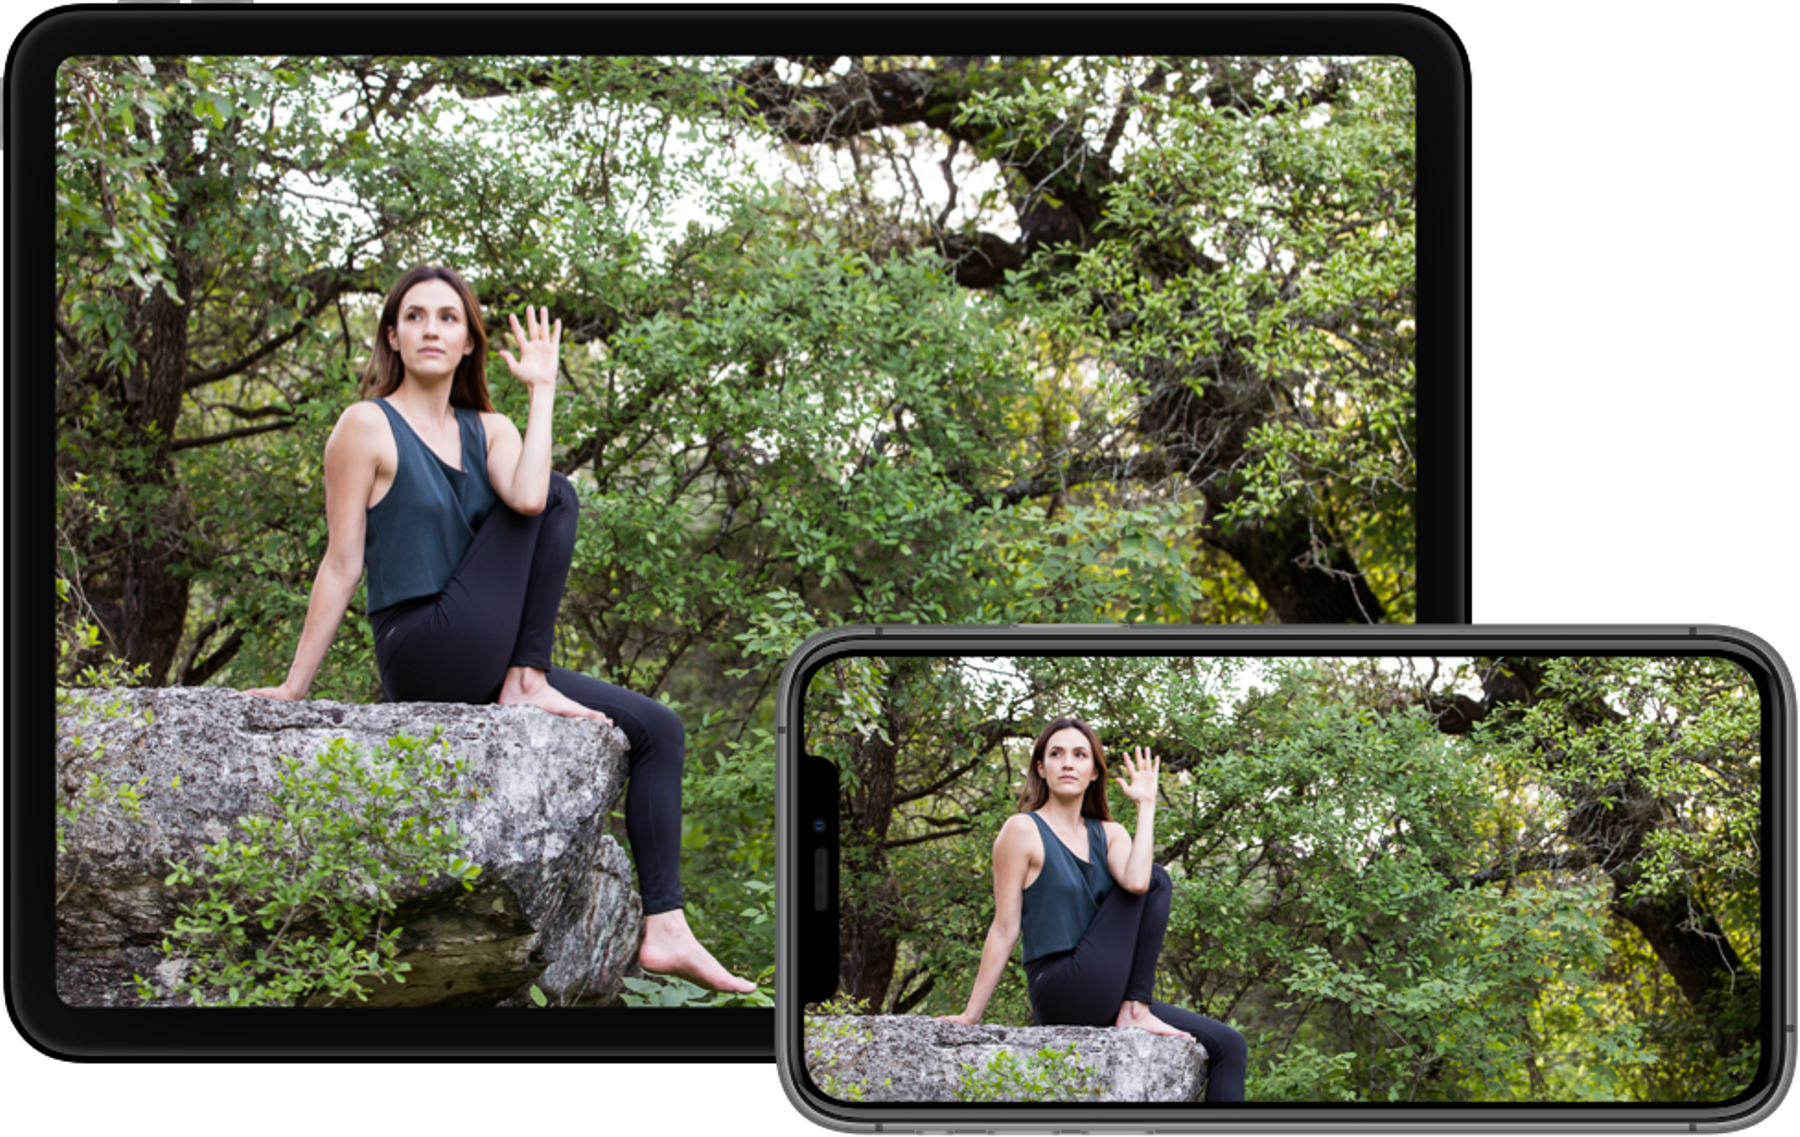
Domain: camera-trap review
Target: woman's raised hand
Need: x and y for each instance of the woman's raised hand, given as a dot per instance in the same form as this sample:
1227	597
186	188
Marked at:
537	342
1144	769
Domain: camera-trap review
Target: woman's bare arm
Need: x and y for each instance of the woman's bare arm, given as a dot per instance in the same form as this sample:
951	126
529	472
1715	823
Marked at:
519	469
1130	861
1012	863
352	457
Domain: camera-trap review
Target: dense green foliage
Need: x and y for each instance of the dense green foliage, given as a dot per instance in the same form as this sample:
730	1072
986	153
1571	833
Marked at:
84	788
1392	907
296	907
853	339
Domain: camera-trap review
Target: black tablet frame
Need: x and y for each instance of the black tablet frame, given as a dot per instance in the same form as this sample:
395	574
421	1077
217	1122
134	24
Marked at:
1442	547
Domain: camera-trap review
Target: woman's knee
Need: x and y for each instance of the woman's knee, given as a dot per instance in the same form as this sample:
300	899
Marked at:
1231	1043
1159	879
562	493
664	725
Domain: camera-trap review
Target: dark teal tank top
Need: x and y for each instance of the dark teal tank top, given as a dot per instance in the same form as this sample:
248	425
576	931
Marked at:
420	529
1061	903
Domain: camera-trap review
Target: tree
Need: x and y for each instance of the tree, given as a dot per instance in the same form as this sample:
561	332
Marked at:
1655	763
1233	237
182	272
1209	289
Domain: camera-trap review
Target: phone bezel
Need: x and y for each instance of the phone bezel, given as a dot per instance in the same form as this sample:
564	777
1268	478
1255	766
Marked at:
1774	684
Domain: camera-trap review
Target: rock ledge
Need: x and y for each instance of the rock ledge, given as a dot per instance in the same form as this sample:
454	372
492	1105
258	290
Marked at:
555	905
912	1058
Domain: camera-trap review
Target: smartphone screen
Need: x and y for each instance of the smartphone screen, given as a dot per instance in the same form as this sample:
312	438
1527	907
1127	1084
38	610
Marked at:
1494	877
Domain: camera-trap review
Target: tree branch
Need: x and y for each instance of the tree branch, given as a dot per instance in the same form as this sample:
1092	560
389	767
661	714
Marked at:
324	286
1152	465
242	432
885	845
1531	862
192	674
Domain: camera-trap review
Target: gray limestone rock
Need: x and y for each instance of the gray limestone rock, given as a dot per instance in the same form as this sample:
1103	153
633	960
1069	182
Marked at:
555	904
912	1058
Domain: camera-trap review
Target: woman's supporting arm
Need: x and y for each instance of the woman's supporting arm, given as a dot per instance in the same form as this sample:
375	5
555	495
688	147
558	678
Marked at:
332	588
996	950
1012	862
351	459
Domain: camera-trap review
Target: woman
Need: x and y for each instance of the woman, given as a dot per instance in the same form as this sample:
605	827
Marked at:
467	535
1090	947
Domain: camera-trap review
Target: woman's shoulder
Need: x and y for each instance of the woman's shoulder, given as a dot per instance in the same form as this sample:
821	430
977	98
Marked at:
1114	831
363	411
1018	832
495	425
362	423
1019	825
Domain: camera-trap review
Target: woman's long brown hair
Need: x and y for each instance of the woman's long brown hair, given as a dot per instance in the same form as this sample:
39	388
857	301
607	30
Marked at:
386	370
1036	790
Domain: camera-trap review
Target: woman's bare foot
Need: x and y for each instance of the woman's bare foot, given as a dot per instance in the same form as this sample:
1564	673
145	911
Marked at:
1135	1014
671	949
531	686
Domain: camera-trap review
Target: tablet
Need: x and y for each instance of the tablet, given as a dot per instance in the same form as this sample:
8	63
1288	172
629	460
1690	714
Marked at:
900	337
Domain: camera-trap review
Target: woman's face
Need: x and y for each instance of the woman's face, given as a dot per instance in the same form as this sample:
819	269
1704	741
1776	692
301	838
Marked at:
431	333
1068	767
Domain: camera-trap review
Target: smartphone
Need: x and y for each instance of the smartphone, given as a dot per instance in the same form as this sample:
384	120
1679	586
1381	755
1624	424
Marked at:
1285	878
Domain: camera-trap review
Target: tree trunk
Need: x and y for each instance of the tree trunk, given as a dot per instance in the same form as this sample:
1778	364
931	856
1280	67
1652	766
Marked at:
1691	947
138	592
869	914
1303	572
155	598
1283	561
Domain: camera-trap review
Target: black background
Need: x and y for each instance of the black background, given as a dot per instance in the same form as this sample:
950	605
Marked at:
1629	443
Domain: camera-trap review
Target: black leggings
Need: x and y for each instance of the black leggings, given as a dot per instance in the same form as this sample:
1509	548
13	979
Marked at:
499	611
1116	961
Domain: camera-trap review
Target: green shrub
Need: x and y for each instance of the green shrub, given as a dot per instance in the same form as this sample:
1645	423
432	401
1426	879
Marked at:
82	790
296	907
835	1019
669	991
1048	1075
